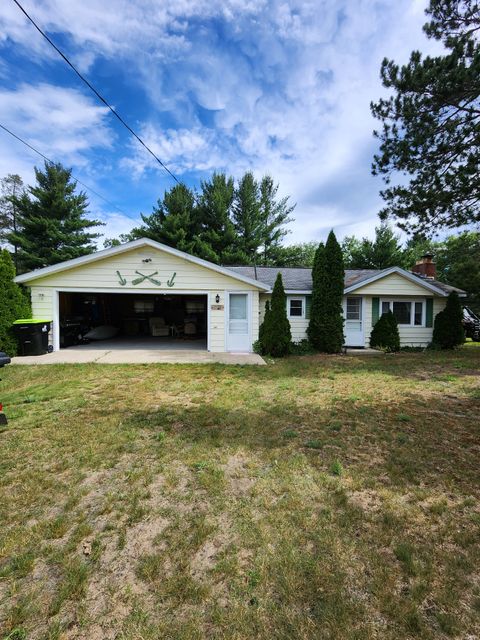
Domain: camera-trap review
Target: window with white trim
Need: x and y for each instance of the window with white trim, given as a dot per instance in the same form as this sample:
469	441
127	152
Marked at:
408	313
296	307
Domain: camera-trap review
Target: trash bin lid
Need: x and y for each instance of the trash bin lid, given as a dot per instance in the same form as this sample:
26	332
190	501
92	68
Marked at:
32	321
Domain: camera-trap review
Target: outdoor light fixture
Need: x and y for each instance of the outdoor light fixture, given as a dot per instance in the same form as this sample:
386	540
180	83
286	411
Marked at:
217	298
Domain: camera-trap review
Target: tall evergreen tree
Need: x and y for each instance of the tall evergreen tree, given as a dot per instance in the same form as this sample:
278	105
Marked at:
316	326
13	304
383	252
430	126
275	331
275	215
325	329
334	285
217	238
52	222
248	220
173	221
11	187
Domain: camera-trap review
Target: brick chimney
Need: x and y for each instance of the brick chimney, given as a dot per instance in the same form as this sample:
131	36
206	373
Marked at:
425	267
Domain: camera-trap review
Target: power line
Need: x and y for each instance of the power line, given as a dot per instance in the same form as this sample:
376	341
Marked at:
14	135
92	88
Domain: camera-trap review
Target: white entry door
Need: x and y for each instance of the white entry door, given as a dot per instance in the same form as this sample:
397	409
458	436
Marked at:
238	327
353	310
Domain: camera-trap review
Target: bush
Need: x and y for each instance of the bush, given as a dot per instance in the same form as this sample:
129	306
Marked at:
274	334
13	304
385	333
448	331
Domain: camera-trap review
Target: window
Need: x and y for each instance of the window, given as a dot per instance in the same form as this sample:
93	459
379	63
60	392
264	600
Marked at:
354	308
402	311
418	318
144	306
295	308
406	312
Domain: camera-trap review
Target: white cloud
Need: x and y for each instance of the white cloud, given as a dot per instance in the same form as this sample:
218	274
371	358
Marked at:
61	123
290	84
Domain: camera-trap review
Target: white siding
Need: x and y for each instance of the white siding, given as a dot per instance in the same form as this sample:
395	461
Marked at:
397	287
298	326
189	277
392	286
409	336
42	304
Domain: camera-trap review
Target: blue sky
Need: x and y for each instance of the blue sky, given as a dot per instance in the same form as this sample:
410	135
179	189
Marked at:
233	85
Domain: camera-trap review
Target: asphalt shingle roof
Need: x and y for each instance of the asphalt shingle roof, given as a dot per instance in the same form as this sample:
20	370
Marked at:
300	279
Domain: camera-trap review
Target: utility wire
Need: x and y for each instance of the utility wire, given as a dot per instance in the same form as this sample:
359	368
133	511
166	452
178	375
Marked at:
74	177
92	88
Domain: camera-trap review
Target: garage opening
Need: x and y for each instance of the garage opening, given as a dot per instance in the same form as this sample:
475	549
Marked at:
133	321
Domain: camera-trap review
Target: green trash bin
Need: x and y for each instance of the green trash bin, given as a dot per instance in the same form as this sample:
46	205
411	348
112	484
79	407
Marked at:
32	335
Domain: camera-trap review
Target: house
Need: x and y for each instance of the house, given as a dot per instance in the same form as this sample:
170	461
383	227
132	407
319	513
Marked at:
154	293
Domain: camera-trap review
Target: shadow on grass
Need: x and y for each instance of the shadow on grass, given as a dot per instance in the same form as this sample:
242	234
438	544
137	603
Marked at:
410	443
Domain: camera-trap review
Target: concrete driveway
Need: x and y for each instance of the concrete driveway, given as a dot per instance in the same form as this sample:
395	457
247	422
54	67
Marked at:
102	355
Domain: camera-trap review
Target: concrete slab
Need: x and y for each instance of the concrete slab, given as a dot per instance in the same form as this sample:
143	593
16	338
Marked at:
138	356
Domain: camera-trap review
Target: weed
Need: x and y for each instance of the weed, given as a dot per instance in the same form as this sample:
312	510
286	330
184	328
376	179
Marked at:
314	444
336	468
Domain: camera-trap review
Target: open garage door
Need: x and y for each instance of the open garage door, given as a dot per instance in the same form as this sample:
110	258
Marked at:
131	320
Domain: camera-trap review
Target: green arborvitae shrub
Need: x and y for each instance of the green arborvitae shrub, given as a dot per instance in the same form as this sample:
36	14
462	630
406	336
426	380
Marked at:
261	331
325	329
385	333
275	331
13	304
448	331
315	330
335	283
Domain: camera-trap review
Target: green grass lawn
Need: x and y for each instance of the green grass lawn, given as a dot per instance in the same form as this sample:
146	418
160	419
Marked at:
318	497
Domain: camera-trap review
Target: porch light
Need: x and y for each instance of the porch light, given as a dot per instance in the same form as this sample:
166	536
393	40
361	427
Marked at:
217	298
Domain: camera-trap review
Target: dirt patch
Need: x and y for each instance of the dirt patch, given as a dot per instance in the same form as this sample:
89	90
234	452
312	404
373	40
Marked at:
237	472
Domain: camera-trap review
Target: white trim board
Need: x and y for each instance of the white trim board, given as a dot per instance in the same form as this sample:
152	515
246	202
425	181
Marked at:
135	244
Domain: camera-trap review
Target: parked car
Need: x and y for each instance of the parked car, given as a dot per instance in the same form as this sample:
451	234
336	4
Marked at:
471	324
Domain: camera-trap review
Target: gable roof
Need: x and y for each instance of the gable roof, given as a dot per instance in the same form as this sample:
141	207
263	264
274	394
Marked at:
297	279
129	246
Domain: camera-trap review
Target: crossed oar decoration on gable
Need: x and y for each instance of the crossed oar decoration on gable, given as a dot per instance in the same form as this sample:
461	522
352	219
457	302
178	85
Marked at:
142	277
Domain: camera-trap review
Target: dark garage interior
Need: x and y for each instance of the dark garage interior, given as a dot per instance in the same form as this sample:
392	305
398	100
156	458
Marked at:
137	320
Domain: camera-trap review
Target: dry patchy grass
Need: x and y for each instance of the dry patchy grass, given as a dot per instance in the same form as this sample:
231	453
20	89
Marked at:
319	497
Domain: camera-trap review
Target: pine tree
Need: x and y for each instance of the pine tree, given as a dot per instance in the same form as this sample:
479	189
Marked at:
52	222
430	126
13	304
173	221
248	220
276	334
315	330
217	238
448	331
334	286
275	215
385	333
385	251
